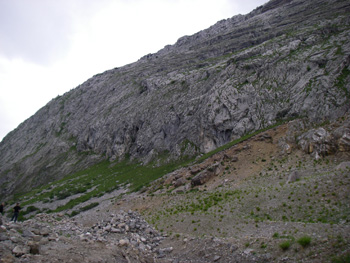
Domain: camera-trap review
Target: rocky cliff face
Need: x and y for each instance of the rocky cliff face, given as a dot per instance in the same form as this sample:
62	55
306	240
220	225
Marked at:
287	58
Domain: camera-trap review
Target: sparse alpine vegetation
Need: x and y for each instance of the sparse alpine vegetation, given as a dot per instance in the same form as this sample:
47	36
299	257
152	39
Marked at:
252	202
232	143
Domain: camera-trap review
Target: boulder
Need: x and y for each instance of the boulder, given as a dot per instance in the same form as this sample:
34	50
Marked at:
3	237
216	258
124	242
285	148
45	231
34	247
317	141
27	233
206	175
234	159
179	182
19	250
265	137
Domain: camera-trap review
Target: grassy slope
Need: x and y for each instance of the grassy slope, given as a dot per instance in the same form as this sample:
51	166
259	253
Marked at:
106	177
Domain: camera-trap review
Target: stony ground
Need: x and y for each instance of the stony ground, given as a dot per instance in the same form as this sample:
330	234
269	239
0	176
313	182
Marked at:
263	200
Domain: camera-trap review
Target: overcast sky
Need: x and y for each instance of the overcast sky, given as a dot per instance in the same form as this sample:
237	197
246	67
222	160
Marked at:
48	47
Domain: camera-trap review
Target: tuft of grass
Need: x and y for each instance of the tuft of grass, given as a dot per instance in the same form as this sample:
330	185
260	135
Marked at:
88	207
276	235
285	245
304	241
74	213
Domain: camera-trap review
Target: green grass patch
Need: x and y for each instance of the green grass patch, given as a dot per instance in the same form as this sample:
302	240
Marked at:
97	180
89	206
304	241
285	245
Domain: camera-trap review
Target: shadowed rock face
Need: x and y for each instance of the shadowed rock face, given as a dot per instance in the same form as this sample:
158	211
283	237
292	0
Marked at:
285	59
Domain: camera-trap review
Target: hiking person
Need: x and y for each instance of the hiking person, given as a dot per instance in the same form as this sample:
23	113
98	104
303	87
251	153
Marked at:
1	212
2	208
16	210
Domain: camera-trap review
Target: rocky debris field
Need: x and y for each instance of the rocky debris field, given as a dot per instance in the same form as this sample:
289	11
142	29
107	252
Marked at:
125	237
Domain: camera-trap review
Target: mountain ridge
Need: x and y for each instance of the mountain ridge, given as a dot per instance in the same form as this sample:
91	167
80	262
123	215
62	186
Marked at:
240	75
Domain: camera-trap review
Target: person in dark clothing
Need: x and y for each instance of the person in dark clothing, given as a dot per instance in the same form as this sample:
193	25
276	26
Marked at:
2	208
1	212
16	210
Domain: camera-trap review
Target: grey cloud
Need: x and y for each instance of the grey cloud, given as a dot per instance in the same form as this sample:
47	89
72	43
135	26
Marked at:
40	31
36	31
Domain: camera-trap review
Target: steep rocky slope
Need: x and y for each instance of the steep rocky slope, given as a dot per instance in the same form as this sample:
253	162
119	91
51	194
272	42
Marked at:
284	59
263	202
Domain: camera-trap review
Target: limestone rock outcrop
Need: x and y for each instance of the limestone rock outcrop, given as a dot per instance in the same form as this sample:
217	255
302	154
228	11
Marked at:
285	59
320	142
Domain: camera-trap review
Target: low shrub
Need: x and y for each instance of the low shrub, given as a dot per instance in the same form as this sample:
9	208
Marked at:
304	241
276	235
89	206
285	245
74	213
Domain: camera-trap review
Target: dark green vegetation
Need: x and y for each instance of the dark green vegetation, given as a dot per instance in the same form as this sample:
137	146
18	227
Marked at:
285	245
304	241
95	181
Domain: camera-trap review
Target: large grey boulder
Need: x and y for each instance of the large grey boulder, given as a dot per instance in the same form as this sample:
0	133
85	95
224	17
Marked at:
317	141
206	175
20	250
321	142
